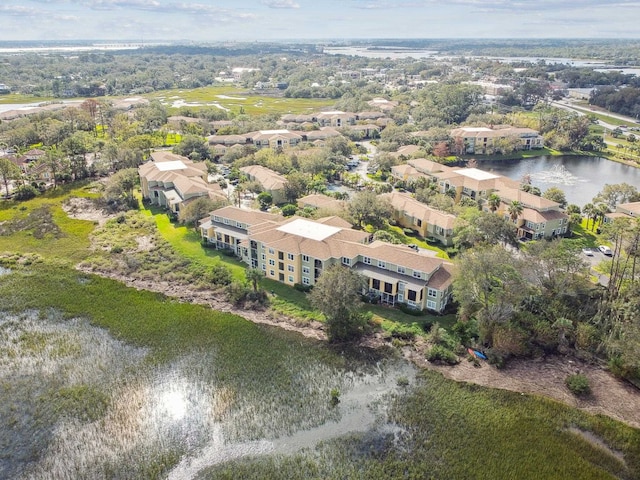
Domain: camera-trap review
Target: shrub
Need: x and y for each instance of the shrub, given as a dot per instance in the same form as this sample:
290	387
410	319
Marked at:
440	354
25	192
578	384
303	288
587	337
404	332
335	397
220	275
410	310
289	209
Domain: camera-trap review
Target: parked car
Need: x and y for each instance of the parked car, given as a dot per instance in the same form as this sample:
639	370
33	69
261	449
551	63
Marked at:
605	250
588	252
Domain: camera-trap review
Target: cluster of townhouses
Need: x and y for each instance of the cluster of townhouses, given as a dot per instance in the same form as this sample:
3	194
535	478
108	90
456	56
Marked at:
624	210
540	217
172	181
486	141
297	250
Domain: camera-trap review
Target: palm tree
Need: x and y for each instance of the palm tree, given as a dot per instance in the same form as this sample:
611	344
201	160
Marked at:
493	202
600	211
515	209
254	275
589	210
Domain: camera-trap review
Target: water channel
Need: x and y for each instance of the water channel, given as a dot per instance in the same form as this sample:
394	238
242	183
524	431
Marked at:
580	177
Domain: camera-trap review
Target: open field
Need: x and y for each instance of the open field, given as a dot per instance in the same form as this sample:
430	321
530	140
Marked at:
238	100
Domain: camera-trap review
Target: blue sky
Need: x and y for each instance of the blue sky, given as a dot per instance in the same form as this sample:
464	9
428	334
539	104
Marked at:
216	20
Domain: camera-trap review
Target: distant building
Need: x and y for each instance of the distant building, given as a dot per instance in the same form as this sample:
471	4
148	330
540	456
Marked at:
486	141
272	182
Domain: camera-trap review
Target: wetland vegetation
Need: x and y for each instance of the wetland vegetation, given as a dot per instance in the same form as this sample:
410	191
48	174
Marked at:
99	379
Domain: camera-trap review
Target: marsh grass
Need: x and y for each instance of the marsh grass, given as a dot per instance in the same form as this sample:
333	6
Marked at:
107	415
449	430
241	99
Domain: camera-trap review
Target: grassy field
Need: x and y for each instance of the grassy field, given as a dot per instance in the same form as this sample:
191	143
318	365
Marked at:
41	226
237	100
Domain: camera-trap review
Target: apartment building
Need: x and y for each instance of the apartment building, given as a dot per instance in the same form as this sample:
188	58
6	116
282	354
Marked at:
540	218
487	141
271	181
422	219
297	251
171	180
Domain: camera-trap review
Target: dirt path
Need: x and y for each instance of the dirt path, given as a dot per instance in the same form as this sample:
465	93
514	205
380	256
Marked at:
545	377
610	396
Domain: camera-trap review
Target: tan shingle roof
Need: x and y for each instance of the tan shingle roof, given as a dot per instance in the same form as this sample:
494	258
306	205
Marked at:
269	179
428	166
405	203
318	200
443	277
249	217
530	200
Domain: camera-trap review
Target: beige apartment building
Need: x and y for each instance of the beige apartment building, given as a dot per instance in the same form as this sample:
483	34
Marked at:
297	251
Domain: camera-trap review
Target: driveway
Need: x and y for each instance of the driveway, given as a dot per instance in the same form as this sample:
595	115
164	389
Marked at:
593	261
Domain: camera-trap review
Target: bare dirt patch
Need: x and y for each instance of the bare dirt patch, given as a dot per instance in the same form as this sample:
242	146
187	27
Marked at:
85	209
145	243
546	376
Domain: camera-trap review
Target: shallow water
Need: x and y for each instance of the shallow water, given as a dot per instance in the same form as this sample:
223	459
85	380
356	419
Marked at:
77	400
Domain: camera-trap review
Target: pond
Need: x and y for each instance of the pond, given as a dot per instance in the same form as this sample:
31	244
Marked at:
580	177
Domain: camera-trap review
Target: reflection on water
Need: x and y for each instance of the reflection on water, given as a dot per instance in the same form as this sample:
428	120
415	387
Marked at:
581	178
81	401
557	175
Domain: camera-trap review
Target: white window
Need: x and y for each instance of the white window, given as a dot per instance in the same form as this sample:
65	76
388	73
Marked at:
290	256
264	257
432	292
264	267
381	264
411	303
272	262
431	304
271	251
238	224
216	218
291	278
417	274
272	273
400	297
290	268
400	269
305	258
366	260
306	281
346	261
226	221
305	269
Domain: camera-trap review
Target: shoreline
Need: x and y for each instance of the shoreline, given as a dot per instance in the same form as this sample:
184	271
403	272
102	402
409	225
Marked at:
543	376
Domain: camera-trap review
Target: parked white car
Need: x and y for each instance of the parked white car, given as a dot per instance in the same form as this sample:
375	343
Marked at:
588	252
605	250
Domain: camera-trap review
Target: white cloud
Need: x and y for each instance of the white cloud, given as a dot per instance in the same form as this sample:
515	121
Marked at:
280	4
